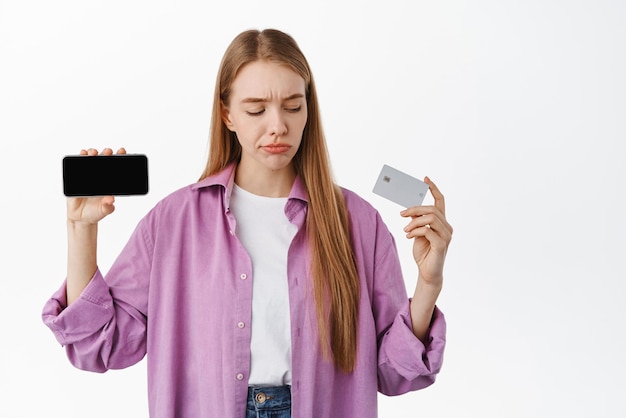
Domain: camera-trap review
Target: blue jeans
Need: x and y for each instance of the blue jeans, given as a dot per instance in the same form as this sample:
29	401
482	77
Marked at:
269	402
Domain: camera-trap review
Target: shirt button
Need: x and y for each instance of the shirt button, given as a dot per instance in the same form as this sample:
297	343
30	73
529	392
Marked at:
243	276
241	324
239	376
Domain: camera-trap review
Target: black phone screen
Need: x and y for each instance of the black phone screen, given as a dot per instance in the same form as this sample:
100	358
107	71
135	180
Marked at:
116	175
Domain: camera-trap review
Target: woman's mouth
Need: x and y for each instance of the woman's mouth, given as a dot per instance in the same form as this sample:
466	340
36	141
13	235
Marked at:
276	148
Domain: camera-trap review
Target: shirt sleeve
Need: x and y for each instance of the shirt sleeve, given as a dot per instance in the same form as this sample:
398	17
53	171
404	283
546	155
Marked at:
404	362
106	327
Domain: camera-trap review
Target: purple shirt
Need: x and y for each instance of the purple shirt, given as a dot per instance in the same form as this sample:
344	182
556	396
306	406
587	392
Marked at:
181	292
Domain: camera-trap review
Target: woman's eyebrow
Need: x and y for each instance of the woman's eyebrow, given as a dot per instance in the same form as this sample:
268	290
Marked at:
253	100
262	99
294	96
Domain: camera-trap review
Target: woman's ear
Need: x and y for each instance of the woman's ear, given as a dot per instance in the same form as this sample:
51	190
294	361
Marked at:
225	113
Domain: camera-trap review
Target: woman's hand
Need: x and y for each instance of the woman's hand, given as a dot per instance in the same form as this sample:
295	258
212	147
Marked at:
83	215
91	210
432	234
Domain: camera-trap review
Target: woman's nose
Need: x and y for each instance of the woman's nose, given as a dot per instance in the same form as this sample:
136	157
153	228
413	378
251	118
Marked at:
277	124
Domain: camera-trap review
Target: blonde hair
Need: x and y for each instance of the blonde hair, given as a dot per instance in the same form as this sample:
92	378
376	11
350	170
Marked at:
333	267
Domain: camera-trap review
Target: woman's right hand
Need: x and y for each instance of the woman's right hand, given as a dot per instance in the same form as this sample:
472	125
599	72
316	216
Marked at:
91	210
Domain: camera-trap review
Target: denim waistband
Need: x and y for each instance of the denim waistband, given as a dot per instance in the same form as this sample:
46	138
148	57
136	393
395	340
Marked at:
274	401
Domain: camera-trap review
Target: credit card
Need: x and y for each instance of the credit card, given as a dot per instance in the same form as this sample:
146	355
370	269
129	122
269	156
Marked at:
400	187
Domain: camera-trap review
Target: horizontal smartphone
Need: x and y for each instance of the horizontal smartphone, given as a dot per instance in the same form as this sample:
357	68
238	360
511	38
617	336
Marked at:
400	187
100	175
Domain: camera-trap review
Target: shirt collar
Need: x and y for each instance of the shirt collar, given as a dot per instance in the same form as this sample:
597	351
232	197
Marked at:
226	179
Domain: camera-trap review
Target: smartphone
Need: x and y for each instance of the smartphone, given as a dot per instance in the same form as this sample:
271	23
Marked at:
400	187
100	175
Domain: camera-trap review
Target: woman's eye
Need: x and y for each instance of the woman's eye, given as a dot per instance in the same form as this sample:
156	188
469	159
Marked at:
294	109
256	112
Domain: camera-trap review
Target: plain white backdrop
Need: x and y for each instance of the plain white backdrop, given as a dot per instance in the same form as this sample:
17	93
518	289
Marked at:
515	108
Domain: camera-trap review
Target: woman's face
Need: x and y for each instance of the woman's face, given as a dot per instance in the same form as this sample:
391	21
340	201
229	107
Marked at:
267	110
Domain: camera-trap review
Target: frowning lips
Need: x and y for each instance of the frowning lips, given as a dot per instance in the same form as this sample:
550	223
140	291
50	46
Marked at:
276	148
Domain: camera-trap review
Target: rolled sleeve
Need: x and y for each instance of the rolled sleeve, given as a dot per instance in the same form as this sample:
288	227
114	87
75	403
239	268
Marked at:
87	315
405	363
105	328
91	328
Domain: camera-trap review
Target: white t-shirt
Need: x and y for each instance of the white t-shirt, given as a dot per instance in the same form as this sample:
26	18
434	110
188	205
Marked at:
266	233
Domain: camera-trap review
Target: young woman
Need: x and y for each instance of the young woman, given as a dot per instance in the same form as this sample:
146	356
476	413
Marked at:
264	288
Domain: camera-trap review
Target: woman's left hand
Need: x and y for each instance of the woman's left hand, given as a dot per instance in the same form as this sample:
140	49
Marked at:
432	234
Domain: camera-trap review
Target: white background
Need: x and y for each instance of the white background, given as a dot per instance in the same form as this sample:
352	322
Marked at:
515	108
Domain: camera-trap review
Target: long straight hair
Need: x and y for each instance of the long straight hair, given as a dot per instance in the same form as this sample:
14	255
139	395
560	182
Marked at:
333	267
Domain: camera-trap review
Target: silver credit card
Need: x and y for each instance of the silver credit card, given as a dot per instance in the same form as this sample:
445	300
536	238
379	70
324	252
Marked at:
400	187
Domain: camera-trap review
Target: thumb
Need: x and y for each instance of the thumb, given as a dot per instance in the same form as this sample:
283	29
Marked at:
107	205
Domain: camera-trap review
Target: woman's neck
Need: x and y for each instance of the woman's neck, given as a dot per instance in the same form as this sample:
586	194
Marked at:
265	182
